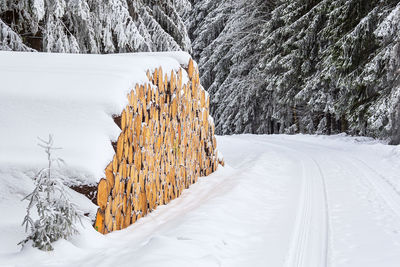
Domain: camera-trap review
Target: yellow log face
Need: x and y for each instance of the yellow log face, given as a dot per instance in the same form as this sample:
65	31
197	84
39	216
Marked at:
120	147
135	100
179	79
114	206
123	120
130	154
117	184
102	194
155	74
115	164
124	169
190	69
129	186
108	216
118	218
109	177
124	204
99	224
166	143
160	80
122	187
127	219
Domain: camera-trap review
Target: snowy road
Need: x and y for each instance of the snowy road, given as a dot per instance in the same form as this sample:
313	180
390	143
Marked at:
283	201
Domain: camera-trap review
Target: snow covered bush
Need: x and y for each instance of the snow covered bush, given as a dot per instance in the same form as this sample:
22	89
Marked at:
56	214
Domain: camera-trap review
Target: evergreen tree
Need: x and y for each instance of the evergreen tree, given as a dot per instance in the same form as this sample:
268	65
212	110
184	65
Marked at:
302	66
10	40
94	26
56	214
309	66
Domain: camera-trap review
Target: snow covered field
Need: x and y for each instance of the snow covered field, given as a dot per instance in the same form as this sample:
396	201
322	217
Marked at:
280	201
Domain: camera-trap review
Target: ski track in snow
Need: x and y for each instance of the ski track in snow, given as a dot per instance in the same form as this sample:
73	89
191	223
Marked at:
309	245
376	212
282	201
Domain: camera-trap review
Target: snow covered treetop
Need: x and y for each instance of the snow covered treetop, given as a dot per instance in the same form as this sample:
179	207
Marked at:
72	97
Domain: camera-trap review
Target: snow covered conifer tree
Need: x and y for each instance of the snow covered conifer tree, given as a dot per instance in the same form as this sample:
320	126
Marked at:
164	23
10	40
227	37
56	214
94	26
300	66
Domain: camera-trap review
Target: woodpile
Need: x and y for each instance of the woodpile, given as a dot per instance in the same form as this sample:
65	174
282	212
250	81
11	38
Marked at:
167	142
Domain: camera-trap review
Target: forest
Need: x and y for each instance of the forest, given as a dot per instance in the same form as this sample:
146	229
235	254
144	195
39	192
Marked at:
205	133
302	66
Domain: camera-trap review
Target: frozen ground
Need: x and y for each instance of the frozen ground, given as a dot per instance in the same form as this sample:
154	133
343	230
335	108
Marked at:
280	201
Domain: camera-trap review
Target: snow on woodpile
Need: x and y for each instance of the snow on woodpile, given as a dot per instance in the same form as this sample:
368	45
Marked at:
167	142
72	97
141	121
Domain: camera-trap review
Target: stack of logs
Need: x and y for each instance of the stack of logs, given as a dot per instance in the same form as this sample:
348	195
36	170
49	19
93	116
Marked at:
167	142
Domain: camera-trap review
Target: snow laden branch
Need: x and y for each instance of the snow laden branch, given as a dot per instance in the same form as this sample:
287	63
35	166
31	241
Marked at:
300	66
95	26
56	214
10	40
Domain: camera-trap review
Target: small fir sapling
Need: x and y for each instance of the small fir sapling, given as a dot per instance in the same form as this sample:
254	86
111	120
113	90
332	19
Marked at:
56	214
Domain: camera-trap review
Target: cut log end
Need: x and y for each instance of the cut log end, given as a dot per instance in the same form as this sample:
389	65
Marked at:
102	194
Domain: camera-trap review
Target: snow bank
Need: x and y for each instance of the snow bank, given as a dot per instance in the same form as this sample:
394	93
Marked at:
72	97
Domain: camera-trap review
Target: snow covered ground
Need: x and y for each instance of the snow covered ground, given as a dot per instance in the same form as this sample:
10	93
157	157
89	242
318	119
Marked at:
308	201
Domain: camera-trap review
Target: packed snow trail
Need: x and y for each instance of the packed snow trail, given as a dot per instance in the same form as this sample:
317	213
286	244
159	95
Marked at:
281	201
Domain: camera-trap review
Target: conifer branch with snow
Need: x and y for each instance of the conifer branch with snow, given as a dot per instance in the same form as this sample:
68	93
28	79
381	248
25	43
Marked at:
56	214
94	26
